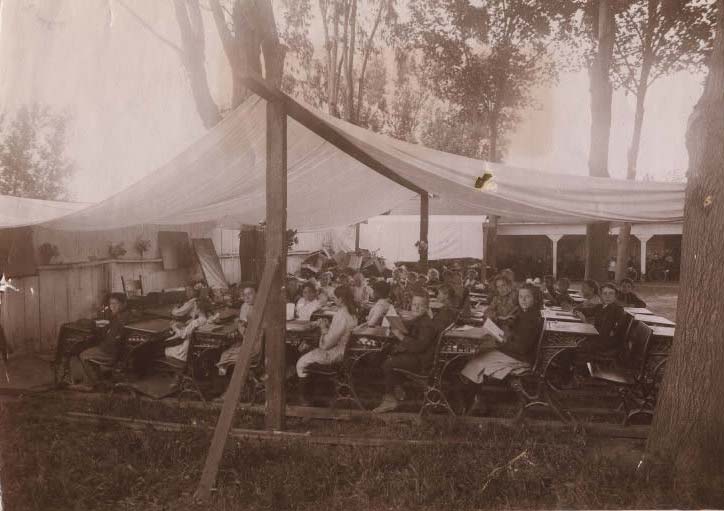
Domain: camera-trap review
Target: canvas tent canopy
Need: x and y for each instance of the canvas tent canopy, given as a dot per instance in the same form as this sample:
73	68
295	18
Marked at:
220	179
20	212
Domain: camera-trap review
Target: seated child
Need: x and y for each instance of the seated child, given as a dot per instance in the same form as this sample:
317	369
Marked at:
308	303
105	355
332	342
383	306
627	298
177	346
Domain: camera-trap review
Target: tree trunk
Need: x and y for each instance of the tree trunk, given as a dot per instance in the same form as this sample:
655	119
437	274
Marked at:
365	58
623	244
349	104
687	429
493	127
332	78
647	61
624	235
194	61
597	239
601	94
342	66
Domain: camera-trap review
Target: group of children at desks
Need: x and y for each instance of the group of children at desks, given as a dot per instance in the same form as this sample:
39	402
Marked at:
413	310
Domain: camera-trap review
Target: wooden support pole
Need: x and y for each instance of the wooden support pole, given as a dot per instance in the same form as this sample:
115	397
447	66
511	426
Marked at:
424	228
356	237
490	231
238	378
276	248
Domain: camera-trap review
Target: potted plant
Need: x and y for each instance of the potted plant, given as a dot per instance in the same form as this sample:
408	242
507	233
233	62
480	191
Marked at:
47	252
116	251
142	246
421	247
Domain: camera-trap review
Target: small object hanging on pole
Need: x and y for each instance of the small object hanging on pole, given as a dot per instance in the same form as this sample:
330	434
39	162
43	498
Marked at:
486	182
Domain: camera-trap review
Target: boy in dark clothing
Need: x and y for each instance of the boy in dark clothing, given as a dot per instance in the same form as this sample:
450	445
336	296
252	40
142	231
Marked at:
414	352
105	355
610	321
627	298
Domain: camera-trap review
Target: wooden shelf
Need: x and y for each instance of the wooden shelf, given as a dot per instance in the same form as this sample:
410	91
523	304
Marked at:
85	264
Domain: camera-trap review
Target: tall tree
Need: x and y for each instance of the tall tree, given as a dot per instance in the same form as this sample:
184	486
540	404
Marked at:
411	95
655	39
353	34
248	34
33	163
601	96
487	57
687	430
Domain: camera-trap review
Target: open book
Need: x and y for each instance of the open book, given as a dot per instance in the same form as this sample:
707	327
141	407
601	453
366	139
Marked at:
491	328
396	323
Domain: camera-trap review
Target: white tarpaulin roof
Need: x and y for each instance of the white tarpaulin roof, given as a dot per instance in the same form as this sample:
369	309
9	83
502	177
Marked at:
221	179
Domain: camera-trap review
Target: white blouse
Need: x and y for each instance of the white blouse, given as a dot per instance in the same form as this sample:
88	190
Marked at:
336	338
379	310
305	309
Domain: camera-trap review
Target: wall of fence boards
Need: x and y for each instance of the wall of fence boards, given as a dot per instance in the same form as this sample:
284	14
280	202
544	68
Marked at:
76	288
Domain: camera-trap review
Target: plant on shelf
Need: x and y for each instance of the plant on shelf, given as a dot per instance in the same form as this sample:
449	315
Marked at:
142	246
47	252
116	251
421	247
292	238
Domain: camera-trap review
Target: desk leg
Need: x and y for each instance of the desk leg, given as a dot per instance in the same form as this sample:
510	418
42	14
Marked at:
434	395
545	391
344	382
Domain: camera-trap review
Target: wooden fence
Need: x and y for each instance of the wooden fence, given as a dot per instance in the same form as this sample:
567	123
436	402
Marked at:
59	293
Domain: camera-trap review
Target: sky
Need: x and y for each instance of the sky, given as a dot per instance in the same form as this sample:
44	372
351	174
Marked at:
128	99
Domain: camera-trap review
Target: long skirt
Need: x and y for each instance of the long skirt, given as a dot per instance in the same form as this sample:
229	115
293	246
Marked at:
99	356
493	364
317	356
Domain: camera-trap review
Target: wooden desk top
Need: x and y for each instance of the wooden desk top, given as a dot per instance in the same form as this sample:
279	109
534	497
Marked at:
662	331
160	311
560	315
222	329
637	310
570	327
149	326
650	319
297	325
372	331
472	333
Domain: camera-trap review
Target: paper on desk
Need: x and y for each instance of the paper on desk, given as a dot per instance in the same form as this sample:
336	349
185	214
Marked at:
492	329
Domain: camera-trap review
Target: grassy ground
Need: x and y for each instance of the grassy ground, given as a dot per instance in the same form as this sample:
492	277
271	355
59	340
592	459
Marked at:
52	464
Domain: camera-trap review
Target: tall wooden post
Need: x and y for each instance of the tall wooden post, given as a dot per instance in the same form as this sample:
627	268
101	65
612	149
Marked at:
424	229
356	237
490	231
276	247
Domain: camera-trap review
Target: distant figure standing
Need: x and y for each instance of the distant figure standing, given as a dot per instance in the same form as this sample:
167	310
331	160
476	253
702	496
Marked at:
612	269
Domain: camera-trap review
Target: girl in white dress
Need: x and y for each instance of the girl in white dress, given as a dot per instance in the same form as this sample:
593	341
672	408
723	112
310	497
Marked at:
332	342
